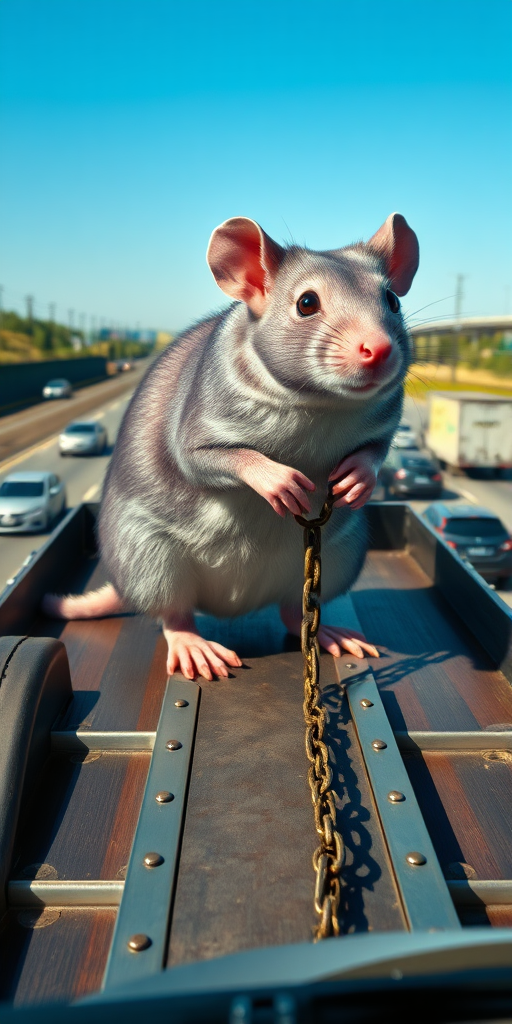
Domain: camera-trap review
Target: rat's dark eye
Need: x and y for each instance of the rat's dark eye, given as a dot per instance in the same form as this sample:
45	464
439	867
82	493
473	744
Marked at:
308	304
393	301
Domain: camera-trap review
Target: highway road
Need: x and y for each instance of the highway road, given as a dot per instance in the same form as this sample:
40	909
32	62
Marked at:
84	476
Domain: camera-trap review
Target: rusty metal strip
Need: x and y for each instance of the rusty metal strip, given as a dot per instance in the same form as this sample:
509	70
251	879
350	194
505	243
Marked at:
140	936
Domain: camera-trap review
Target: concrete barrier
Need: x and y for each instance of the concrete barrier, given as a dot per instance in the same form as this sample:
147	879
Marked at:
22	383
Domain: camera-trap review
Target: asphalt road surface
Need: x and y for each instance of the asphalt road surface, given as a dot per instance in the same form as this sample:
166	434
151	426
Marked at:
84	475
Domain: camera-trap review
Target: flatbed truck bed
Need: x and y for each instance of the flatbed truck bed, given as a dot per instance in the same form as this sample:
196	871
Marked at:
234	827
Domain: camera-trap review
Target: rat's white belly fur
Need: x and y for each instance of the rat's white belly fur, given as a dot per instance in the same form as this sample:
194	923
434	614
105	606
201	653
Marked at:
237	555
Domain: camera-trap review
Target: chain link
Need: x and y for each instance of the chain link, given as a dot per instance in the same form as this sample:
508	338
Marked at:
329	857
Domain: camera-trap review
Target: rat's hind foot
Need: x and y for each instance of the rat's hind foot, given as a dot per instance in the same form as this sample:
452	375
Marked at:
334	639
190	654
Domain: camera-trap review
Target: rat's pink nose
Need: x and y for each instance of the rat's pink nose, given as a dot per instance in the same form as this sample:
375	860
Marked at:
375	349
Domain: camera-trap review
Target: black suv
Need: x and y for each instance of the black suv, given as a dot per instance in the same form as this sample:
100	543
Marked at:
477	535
413	473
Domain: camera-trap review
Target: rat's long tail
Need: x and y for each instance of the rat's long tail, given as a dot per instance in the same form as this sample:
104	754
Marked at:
94	605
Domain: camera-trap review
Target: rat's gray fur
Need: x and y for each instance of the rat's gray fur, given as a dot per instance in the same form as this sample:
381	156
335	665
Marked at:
178	528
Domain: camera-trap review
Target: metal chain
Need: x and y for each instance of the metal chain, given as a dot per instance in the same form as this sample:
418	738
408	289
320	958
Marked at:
329	857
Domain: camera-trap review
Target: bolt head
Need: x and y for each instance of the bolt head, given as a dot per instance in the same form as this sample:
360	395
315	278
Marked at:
181	703
153	860
365	703
173	745
416	859
379	745
349	664
139	942
164	797
395	797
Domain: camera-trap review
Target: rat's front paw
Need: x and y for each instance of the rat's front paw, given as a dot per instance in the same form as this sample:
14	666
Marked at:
282	486
355	478
190	654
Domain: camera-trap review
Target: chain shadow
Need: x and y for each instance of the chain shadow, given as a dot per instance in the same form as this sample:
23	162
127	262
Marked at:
361	870
388	675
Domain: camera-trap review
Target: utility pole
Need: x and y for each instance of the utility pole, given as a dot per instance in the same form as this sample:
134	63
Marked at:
51	321
30	306
459	296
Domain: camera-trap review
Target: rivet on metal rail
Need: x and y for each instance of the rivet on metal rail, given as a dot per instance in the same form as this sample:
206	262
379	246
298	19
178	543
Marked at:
164	797
379	745
173	745
365	703
181	703
395	797
416	859
153	860
138	943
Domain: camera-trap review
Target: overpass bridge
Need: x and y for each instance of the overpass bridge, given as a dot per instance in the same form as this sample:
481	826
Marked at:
472	325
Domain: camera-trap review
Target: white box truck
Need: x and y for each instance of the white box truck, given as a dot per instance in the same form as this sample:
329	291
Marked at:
470	429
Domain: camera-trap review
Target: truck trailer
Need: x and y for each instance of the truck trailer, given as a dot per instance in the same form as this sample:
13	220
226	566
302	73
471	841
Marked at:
471	430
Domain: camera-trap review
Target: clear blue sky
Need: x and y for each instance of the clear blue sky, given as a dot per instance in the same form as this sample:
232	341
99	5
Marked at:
131	128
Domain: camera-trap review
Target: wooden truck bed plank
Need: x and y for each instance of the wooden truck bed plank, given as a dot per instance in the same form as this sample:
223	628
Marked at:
433	673
495	916
53	954
117	668
465	800
83	815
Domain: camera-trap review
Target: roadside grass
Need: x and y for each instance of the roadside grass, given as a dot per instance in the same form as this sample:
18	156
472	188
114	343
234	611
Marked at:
417	385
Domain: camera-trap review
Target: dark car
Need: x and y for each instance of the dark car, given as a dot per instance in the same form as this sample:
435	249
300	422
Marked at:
477	535
412	473
60	388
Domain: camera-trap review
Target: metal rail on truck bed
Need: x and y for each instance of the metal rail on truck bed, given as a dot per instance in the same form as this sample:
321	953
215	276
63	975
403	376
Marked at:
148	823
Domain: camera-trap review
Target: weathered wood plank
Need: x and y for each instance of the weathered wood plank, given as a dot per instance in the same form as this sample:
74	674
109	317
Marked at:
53	954
83	815
465	799
432	673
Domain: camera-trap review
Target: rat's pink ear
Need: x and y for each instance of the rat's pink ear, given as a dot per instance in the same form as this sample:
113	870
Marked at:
244	261
397	244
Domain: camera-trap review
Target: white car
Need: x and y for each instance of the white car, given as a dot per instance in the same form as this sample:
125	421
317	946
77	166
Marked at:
83	437
30	502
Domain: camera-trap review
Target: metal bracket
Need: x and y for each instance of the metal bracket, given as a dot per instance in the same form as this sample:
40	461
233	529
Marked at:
140	936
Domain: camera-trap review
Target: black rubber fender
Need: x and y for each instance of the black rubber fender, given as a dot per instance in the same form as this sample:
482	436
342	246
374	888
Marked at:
35	687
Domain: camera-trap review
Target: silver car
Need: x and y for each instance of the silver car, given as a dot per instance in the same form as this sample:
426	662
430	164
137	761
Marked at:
83	438
59	388
30	502
405	436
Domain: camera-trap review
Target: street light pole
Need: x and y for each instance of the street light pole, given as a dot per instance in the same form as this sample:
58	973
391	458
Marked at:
459	295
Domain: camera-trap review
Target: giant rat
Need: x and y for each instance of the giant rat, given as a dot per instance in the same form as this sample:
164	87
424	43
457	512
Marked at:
243	422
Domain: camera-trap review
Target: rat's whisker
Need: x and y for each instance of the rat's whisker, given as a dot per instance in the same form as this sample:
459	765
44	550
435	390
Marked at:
407	315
